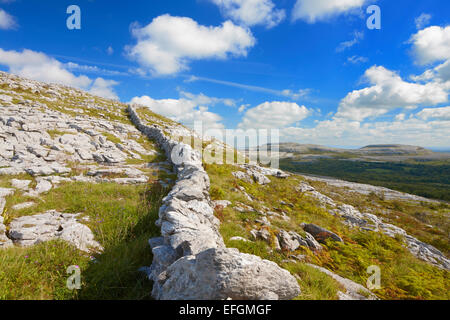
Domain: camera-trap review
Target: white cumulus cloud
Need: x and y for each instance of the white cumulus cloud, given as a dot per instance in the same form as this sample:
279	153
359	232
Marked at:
273	115
357	36
431	44
38	66
104	88
167	44
251	12
439	73
435	113
188	109
388	92
202	99
345	132
319	10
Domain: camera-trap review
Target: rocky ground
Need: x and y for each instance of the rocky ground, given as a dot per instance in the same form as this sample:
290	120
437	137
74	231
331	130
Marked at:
272	209
238	231
52	135
349	214
368	221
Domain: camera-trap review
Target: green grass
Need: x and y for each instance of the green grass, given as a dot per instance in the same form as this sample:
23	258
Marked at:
148	115
415	217
115	274
122	219
55	133
403	275
111	137
427	179
38	272
314	284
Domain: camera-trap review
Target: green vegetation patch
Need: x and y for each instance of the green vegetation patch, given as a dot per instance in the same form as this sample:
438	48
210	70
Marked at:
430	180
122	219
403	276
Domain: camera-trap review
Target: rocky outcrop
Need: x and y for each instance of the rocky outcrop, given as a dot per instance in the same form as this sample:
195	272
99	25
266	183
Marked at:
258	174
49	132
320	234
242	176
225	274
52	225
190	260
39	139
4	240
291	241
221	203
370	222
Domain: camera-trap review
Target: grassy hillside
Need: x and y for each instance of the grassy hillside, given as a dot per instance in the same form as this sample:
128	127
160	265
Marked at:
403	275
122	218
427	179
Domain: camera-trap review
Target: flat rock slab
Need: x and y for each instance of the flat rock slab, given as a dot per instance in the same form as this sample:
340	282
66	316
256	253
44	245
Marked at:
46	170
4	192
21	206
20	184
42	187
30	230
130	172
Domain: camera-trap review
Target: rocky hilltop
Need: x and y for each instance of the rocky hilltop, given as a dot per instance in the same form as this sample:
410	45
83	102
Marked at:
119	192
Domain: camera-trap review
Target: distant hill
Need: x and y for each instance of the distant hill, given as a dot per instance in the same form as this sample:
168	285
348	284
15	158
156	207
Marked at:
393	149
380	149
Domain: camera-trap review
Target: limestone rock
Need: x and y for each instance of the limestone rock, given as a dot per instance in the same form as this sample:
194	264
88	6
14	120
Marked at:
191	261
320	234
42	187
291	241
20	184
305	187
260	178
262	234
4	192
29	230
242	176
23	205
218	274
221	203
266	171
237	238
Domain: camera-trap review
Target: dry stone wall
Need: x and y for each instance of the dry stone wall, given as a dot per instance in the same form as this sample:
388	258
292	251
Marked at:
190	260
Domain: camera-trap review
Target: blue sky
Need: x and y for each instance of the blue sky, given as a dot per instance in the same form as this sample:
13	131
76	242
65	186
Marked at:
310	68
